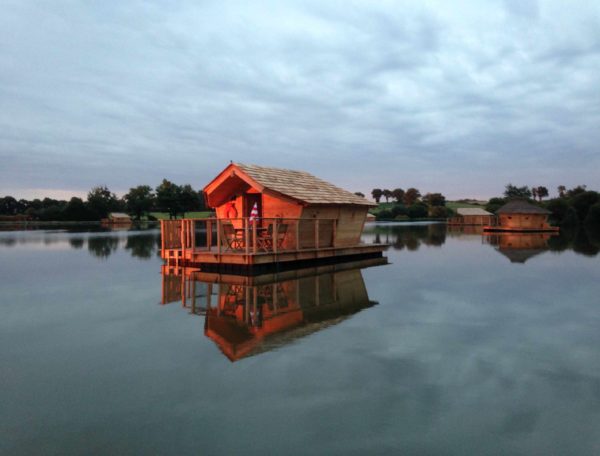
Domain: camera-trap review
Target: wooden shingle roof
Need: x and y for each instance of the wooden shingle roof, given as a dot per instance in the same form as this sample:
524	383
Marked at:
301	186
521	207
472	211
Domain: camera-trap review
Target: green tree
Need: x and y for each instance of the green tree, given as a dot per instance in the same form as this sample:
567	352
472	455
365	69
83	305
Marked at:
9	206
561	191
168	198
387	194
582	203
77	210
494	204
398	209
411	196
398	194
139	200
570	219
384	214
438	212
377	193
512	191
558	207
101	201
189	199
435	199
541	192
362	195
576	191
417	210
593	216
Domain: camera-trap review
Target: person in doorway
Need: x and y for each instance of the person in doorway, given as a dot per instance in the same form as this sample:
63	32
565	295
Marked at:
230	209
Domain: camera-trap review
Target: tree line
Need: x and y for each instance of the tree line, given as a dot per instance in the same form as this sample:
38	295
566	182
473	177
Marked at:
572	207
409	203
138	201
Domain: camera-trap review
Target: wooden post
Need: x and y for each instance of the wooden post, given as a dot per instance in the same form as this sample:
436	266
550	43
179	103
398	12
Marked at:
208	234
219	237
193	235
297	234
162	236
275	236
316	233
254	236
246	236
182	237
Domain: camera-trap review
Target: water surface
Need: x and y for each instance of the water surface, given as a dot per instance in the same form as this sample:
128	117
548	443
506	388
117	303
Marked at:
462	345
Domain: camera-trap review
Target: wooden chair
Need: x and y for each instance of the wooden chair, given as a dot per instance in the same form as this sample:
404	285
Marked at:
268	240
232	238
281	233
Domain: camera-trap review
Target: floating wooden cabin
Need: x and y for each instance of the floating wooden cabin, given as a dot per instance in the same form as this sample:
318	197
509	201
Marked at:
269	216
472	216
246	316
521	216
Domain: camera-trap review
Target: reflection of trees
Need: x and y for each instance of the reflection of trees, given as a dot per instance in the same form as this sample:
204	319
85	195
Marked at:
103	246
410	237
8	242
584	241
76	242
142	245
581	244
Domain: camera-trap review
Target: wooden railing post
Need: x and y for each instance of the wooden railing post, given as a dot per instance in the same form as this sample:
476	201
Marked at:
246	235
193	235
219	237
162	236
208	234
316	233
182	235
297	234
254	236
275	235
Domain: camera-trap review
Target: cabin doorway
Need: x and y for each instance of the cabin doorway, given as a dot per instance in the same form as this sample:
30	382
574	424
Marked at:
249	200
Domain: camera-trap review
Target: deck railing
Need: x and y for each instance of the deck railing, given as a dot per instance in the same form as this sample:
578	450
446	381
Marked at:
245	236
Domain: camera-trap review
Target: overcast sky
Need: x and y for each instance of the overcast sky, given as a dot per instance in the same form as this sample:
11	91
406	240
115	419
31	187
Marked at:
458	97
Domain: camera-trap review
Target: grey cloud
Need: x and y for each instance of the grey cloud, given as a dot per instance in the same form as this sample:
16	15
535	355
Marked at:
130	93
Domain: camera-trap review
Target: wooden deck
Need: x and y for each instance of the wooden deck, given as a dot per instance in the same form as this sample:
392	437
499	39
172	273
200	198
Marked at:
213	244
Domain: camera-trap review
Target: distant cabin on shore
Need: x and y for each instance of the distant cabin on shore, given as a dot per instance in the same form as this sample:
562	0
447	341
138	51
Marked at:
117	218
472	216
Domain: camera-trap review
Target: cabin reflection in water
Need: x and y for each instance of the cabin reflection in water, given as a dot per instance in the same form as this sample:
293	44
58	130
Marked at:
247	315
519	247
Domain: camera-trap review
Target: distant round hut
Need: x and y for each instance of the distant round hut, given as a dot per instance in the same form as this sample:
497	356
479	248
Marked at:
520	215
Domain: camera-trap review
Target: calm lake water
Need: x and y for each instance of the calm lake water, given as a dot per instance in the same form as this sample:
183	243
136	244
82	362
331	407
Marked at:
461	345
